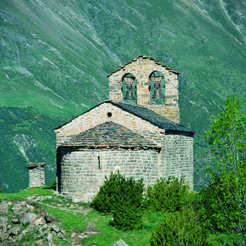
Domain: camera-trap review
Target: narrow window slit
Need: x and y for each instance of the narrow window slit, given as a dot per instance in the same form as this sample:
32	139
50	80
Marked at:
99	163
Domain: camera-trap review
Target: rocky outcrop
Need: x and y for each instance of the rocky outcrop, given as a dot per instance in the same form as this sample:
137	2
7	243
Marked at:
18	219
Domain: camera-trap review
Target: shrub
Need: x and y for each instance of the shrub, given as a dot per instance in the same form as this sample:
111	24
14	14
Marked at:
180	228
167	194
53	185
1	190
127	217
123	197
117	189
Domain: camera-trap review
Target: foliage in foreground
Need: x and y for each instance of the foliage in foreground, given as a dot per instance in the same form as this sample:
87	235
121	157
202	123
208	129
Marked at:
167	194
53	185
127	217
224	200
117	189
180	228
123	197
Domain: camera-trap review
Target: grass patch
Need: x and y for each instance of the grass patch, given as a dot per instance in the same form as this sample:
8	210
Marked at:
25	193
68	220
109	234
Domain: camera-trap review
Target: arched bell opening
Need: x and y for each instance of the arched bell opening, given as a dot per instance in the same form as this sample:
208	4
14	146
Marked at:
129	88
157	88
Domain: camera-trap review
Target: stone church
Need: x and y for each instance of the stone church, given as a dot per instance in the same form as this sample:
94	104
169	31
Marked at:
136	131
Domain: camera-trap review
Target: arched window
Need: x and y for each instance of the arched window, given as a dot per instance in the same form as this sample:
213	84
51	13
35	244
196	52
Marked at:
157	88
129	89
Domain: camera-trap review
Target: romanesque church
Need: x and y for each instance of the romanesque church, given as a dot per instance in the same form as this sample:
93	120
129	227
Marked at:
136	131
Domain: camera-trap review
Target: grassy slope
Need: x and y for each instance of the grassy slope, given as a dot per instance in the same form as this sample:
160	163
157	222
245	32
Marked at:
55	55
73	220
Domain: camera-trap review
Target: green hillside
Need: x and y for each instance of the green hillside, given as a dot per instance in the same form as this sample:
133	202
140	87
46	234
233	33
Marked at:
55	56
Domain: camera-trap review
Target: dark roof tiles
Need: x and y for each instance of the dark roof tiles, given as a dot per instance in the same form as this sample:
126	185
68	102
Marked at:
152	117
109	134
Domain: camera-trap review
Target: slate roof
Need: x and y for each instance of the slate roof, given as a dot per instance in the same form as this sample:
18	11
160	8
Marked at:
146	114
157	62
108	135
152	117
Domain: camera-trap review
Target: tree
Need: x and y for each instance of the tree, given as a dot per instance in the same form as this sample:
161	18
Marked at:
224	199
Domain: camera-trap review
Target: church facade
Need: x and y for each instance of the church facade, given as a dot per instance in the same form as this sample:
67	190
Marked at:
136	131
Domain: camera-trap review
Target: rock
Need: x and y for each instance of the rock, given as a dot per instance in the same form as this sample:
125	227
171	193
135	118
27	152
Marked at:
120	242
50	218
30	207
14	231
49	238
60	235
72	206
56	228
16	206
3	228
40	242
20	237
10	203
17	209
4	207
43	227
23	203
3	220
3	224
39	221
58	200
9	227
15	220
29	217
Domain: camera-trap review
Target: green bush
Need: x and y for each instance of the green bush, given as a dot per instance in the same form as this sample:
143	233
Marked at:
116	190
53	185
123	197
1	190
127	217
167	194
180	228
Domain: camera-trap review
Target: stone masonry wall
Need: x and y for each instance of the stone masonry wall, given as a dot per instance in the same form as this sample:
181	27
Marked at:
142	68
81	173
98	116
36	174
178	157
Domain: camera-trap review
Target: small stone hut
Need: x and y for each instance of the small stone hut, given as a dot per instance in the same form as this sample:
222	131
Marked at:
136	131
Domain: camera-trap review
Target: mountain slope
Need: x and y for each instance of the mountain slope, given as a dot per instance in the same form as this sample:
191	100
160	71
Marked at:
55	56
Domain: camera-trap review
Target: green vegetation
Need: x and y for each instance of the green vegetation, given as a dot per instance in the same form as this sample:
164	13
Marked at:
127	216
28	135
224	200
180	228
123	197
55	55
22	195
168	195
53	185
117	189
